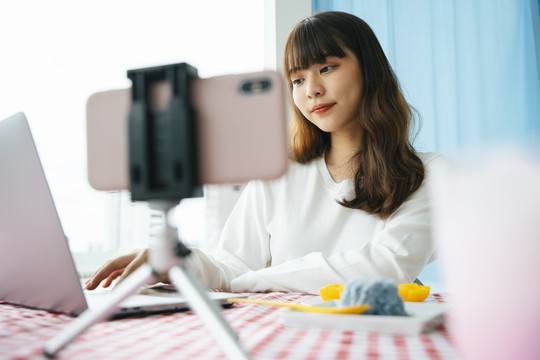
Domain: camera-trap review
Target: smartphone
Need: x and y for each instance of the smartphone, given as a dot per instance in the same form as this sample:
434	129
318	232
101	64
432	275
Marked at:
241	130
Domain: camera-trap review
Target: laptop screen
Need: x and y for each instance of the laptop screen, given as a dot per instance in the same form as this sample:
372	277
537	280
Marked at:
37	269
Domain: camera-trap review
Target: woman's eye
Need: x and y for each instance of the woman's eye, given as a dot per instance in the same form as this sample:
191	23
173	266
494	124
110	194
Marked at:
296	82
326	68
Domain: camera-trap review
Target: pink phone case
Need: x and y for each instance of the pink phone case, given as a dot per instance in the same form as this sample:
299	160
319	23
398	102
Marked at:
241	136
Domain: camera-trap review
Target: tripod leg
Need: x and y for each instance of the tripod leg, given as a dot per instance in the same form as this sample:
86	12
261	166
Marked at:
141	276
208	311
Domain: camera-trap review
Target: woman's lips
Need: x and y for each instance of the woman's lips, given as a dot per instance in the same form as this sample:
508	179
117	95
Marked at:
322	108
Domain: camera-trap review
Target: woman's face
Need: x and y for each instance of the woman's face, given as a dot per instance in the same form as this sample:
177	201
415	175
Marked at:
328	94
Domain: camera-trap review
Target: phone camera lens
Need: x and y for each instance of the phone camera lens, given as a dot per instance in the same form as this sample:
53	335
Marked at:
255	86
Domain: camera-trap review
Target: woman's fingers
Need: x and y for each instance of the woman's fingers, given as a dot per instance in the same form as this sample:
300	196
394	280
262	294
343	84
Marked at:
108	270
134	264
108	281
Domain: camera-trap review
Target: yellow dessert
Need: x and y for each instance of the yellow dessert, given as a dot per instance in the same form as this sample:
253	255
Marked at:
413	292
331	292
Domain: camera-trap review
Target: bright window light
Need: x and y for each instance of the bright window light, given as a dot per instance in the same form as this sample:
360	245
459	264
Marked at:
56	53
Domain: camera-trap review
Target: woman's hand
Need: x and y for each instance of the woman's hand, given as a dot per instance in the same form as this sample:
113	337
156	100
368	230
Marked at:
120	267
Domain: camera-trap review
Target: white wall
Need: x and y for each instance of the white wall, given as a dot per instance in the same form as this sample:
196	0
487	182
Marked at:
280	17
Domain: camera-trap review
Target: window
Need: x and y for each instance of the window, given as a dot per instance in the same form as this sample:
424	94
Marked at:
55	54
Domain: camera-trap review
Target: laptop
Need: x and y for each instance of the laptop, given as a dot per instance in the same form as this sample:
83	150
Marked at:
36	266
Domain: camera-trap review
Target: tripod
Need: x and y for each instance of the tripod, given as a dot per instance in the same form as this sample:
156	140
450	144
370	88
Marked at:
163	170
167	256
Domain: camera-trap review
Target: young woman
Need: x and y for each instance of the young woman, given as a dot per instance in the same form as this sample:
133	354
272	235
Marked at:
354	203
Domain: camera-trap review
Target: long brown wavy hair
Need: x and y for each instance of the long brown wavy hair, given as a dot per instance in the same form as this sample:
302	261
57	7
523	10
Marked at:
389	169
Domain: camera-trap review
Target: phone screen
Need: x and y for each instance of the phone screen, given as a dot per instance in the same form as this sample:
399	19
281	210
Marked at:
240	120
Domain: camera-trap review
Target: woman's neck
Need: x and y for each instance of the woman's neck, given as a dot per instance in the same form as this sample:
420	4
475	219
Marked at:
340	158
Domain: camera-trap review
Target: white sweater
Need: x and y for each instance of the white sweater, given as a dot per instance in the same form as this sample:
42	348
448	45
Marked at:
290	234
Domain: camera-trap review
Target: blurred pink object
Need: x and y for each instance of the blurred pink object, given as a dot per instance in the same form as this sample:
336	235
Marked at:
487	215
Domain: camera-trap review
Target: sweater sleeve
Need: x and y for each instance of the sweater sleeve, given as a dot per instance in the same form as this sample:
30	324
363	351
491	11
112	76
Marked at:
244	243
399	251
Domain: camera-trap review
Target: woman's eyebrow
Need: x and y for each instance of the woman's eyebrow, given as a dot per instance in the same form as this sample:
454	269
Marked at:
335	57
302	68
324	60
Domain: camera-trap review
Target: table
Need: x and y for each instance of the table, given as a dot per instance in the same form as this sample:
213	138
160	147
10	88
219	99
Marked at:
183	336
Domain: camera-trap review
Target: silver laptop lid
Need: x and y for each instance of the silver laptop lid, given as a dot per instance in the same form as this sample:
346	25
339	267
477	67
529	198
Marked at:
36	267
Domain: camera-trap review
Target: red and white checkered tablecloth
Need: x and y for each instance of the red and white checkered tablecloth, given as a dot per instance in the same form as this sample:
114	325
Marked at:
23	332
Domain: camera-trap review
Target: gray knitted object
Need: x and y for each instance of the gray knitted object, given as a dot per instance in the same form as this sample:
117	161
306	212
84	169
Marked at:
381	295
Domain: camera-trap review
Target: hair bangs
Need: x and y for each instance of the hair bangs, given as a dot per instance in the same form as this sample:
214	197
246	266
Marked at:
311	42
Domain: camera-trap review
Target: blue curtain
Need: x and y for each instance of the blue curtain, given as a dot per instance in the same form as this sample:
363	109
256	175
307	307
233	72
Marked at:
470	67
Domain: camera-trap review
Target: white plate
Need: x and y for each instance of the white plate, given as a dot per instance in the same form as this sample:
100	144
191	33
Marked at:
423	317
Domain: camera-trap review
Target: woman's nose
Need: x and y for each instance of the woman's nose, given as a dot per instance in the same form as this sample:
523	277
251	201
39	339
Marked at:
314	88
